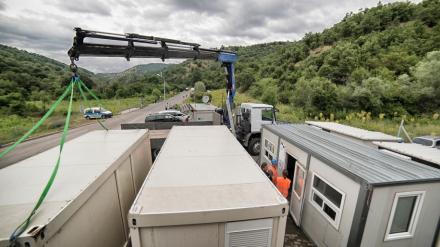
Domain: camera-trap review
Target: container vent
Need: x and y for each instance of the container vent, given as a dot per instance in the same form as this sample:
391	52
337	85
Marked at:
255	233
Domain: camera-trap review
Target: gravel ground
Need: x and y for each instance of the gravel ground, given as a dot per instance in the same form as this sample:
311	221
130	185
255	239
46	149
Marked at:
295	237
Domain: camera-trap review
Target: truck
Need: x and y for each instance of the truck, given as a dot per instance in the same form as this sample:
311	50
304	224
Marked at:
250	117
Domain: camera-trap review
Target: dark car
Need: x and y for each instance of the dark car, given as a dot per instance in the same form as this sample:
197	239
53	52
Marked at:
160	117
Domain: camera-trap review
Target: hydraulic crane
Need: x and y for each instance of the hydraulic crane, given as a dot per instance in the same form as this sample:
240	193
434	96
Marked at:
131	45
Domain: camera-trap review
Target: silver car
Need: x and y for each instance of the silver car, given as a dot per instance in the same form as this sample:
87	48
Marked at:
430	141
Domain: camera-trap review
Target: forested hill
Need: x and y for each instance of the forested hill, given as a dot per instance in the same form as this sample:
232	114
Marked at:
384	60
28	77
133	74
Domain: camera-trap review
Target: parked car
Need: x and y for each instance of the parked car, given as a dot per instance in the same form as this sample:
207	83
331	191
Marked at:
430	141
162	117
97	112
173	112
182	116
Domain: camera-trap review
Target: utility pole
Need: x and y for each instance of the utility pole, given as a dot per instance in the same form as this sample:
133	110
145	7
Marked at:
163	78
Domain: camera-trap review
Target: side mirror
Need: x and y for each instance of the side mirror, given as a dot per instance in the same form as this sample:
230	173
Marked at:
274	111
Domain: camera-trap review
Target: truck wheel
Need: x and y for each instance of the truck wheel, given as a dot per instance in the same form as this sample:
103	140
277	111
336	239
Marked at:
254	146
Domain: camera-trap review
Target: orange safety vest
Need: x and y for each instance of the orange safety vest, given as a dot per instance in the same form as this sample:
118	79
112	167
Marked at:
274	174
283	185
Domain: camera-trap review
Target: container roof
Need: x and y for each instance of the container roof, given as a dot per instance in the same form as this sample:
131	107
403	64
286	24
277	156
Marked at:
203	169
84	160
354	132
357	160
203	107
414	150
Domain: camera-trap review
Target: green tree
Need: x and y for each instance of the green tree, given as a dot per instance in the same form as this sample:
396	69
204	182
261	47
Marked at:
369	95
427	71
316	95
245	79
199	87
340	62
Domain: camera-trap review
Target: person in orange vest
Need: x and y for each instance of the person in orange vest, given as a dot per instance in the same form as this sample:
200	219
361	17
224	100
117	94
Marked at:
266	170
274	169
283	184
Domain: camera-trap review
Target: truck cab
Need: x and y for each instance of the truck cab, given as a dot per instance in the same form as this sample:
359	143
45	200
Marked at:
249	120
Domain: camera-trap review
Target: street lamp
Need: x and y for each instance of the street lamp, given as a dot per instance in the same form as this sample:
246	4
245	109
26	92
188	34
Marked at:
163	78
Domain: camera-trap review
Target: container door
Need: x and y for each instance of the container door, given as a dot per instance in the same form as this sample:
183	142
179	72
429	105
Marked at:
297	197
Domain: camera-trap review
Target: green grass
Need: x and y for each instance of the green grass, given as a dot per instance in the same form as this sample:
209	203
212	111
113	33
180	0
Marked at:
415	125
13	127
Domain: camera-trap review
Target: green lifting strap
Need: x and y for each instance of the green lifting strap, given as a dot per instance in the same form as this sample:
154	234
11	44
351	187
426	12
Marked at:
39	123
90	91
87	102
22	227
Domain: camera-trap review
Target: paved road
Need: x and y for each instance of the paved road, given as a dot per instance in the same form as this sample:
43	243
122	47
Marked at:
38	145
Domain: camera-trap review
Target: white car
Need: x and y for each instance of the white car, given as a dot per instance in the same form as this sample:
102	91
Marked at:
173	112
97	112
182	116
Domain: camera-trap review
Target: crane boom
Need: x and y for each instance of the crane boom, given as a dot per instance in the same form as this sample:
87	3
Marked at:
131	45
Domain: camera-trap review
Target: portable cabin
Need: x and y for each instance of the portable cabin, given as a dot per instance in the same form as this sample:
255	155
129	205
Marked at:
353	133
202	112
204	190
417	152
346	193
98	178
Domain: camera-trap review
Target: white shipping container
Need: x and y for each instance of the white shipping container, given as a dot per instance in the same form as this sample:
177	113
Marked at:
98	178
205	190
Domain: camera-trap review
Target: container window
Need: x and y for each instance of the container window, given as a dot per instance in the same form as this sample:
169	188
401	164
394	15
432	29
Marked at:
319	184
328	191
329	211
269	149
317	199
333	195
404	215
299	178
327	199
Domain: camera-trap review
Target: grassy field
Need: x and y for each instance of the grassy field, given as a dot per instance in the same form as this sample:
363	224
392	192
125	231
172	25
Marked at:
415	125
13	127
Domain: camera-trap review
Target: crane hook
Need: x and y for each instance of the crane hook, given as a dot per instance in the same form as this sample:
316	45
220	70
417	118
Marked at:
73	67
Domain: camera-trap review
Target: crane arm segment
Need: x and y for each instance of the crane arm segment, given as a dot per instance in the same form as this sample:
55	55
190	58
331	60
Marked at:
131	45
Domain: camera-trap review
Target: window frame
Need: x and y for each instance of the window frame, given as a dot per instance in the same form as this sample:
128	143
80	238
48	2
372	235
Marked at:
266	110
267	150
414	217
297	165
325	201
